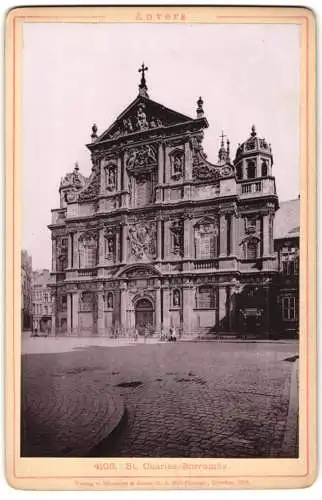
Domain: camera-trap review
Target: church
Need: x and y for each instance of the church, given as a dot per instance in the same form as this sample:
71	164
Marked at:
158	236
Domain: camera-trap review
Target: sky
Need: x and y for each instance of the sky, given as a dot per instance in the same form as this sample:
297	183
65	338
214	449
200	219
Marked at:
78	74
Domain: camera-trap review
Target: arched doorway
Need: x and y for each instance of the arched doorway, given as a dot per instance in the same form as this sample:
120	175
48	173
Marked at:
143	315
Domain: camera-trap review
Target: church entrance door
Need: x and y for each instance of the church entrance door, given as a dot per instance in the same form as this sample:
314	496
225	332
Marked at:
143	315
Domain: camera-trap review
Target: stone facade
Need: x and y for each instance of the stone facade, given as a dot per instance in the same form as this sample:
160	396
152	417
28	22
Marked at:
41	301
158	236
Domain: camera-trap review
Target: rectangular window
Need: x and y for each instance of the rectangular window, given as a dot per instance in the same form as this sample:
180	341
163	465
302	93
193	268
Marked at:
206	298
289	310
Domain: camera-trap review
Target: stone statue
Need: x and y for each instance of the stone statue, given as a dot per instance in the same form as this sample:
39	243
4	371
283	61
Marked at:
176	298
177	165
141	118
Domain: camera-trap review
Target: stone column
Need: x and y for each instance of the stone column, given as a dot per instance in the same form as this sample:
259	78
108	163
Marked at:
233	235
167	166
158	307
100	313
123	305
75	250
75	299
167	240
101	249
188	242
166	308
124	242
119	174
222	297
223	235
53	315
265	235
70	250
69	313
161	164
188	161
54	255
117	245
188	238
188	306
159	239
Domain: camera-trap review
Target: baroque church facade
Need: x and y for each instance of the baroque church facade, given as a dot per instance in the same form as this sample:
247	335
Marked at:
158	236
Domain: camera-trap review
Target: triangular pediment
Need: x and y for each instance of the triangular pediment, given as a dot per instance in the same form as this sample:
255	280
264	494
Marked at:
141	115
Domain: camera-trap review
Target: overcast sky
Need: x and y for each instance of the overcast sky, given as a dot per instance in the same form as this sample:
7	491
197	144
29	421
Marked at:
77	74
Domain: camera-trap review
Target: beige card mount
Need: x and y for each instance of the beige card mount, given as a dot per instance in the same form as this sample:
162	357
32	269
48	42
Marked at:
160	248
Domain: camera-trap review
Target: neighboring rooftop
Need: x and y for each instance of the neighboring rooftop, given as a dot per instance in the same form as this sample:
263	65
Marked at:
287	220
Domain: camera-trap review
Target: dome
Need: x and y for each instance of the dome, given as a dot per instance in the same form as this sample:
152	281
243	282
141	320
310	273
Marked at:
253	145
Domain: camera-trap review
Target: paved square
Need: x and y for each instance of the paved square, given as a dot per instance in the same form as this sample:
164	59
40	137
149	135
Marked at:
184	399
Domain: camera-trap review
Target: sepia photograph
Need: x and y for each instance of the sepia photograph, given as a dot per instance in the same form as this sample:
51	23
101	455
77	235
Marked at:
160	203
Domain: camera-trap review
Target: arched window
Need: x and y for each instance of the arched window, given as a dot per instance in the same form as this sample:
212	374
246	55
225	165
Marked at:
206	239
251	169
239	172
87	252
86	302
251	248
264	168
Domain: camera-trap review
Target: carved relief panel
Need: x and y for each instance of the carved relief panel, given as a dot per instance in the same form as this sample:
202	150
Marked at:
142	239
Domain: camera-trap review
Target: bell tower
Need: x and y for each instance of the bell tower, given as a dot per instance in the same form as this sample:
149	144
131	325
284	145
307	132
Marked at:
254	158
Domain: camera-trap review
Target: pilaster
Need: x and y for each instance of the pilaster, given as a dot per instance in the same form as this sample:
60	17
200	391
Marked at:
100	313
75	300
158	307
54	254
223	235
123	305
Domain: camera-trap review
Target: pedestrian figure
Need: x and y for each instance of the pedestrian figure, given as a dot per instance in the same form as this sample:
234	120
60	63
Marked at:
174	335
136	335
146	333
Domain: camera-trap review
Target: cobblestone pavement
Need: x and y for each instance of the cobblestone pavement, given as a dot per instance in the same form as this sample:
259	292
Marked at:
185	399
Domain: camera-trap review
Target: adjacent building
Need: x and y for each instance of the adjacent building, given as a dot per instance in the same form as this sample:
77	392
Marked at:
160	236
287	247
41	301
26	291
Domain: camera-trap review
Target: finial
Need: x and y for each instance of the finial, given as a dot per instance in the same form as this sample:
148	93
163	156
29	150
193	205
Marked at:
143	86
253	134
200	111
76	166
94	132
228	149
222	153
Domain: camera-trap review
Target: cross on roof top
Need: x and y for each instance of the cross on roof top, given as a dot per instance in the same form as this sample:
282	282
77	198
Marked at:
143	86
143	69
222	136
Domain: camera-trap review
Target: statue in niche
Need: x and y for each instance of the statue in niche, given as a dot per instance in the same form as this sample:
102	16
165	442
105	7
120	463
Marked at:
176	298
110	300
111	177
177	164
177	237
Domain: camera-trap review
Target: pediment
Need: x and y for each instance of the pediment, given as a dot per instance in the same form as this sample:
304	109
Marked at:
141	115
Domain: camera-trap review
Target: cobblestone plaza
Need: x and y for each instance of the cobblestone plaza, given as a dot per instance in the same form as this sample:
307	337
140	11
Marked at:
189	399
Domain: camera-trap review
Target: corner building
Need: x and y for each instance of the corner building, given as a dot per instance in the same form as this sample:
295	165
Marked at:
158	236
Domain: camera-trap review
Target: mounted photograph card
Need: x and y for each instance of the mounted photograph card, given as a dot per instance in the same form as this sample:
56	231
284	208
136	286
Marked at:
160	248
